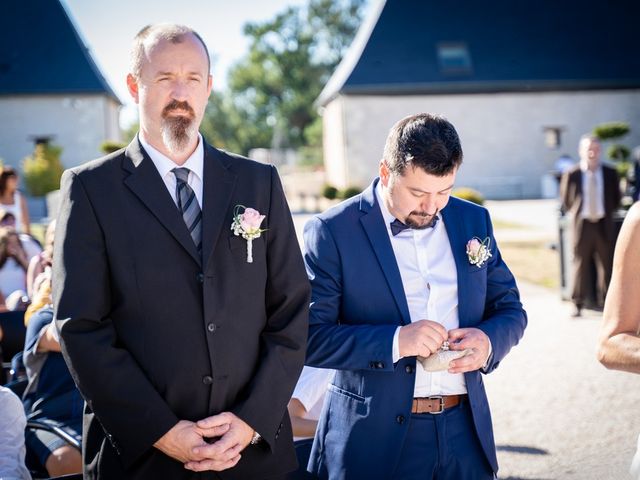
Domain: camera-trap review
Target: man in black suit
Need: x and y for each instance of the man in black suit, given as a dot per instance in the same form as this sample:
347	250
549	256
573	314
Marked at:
590	193
185	347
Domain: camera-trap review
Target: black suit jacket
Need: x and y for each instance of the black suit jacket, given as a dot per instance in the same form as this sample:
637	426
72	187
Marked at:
153	334
572	198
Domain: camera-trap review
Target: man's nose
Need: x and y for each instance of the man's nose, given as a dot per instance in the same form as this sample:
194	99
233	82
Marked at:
428	204
179	91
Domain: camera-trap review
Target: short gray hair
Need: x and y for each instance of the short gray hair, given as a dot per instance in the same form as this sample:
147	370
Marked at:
590	136
151	35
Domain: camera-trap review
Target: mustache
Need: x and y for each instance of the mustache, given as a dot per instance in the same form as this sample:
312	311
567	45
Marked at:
423	214
175	105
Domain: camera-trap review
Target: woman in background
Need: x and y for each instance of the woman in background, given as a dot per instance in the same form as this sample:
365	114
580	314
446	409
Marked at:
11	200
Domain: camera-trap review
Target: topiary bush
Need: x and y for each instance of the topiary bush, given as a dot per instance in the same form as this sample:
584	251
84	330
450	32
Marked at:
110	146
349	192
611	130
469	194
330	192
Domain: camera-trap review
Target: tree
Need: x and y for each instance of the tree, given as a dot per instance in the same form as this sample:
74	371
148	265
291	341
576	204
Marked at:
43	169
272	90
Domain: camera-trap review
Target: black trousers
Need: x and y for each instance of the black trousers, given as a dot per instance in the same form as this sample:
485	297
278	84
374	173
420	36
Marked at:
593	245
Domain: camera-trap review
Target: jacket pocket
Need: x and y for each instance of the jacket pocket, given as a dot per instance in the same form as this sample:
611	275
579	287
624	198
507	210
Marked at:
340	391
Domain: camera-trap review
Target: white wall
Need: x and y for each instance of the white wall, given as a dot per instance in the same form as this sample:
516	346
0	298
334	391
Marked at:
502	134
334	143
77	123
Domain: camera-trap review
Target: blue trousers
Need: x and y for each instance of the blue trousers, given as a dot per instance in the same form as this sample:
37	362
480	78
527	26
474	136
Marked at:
443	447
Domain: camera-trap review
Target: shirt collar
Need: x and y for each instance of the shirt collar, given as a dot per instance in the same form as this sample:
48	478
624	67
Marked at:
585	168
164	164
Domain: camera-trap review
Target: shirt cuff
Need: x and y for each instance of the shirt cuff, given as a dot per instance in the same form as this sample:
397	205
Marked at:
486	363
395	352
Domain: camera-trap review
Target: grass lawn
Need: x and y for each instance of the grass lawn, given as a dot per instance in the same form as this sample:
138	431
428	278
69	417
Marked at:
532	261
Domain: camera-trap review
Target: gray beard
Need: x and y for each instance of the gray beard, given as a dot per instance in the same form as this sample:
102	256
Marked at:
177	133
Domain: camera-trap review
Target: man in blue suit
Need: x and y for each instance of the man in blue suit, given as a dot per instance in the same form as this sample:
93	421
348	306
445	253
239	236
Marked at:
400	273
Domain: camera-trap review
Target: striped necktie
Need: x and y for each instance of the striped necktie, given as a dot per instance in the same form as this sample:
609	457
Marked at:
188	205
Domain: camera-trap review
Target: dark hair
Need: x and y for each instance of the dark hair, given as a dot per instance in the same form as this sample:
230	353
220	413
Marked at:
5	174
426	141
5	234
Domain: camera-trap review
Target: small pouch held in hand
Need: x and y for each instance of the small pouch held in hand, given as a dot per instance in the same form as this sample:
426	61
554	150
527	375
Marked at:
439	361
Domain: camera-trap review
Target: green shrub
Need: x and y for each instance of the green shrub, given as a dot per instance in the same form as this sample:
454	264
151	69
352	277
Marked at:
110	146
618	152
469	194
350	192
608	131
330	192
43	169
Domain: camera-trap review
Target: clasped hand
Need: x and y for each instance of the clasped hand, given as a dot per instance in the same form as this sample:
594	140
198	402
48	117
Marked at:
426	337
187	442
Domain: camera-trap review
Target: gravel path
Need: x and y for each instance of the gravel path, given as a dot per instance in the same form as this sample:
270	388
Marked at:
557	413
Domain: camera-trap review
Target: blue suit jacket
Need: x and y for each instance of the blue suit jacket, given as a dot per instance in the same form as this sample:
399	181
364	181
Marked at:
357	303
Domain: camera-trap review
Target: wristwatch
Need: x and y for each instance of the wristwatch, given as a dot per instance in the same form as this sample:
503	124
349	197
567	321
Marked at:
256	438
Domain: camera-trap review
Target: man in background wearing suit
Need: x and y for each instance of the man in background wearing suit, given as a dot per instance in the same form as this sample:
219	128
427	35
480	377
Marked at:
185	337
590	193
395	273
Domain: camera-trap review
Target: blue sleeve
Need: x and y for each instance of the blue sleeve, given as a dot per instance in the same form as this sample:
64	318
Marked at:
37	322
504	319
333	341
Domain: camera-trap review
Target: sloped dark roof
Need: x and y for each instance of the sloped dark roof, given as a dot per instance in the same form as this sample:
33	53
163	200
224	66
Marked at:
513	45
42	53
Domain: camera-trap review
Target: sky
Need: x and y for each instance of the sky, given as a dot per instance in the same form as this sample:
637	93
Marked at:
108	27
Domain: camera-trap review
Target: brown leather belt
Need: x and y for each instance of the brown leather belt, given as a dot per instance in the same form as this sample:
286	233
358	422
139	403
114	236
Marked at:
436	404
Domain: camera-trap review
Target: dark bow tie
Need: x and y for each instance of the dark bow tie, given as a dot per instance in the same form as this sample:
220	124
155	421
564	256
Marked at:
397	226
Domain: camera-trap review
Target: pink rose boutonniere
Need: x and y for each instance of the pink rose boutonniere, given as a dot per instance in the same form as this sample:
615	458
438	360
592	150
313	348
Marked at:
478	251
246	224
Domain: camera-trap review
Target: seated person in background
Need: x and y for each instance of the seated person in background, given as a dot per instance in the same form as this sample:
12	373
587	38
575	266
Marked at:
304	409
41	261
51	394
30	244
12	425
14	261
12	200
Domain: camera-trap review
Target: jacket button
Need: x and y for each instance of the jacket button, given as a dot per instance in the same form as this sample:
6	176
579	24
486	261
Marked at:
200	277
211	327
408	369
400	419
380	365
207	380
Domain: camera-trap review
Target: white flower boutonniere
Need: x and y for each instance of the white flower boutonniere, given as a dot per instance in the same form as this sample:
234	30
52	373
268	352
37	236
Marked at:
246	224
478	251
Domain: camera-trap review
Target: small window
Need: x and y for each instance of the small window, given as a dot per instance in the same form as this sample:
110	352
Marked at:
553	137
454	58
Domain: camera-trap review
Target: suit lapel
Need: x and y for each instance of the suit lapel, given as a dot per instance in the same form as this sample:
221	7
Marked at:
145	182
373	224
458	241
219	184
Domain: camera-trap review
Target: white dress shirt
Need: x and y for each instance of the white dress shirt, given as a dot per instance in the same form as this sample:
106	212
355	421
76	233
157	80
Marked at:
430	284
311	390
12	448
586	192
164	165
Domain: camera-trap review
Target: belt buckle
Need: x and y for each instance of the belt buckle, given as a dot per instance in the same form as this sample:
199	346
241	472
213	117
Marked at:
441	399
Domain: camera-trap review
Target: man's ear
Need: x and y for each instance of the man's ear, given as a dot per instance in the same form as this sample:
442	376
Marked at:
384	173
132	85
209	84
